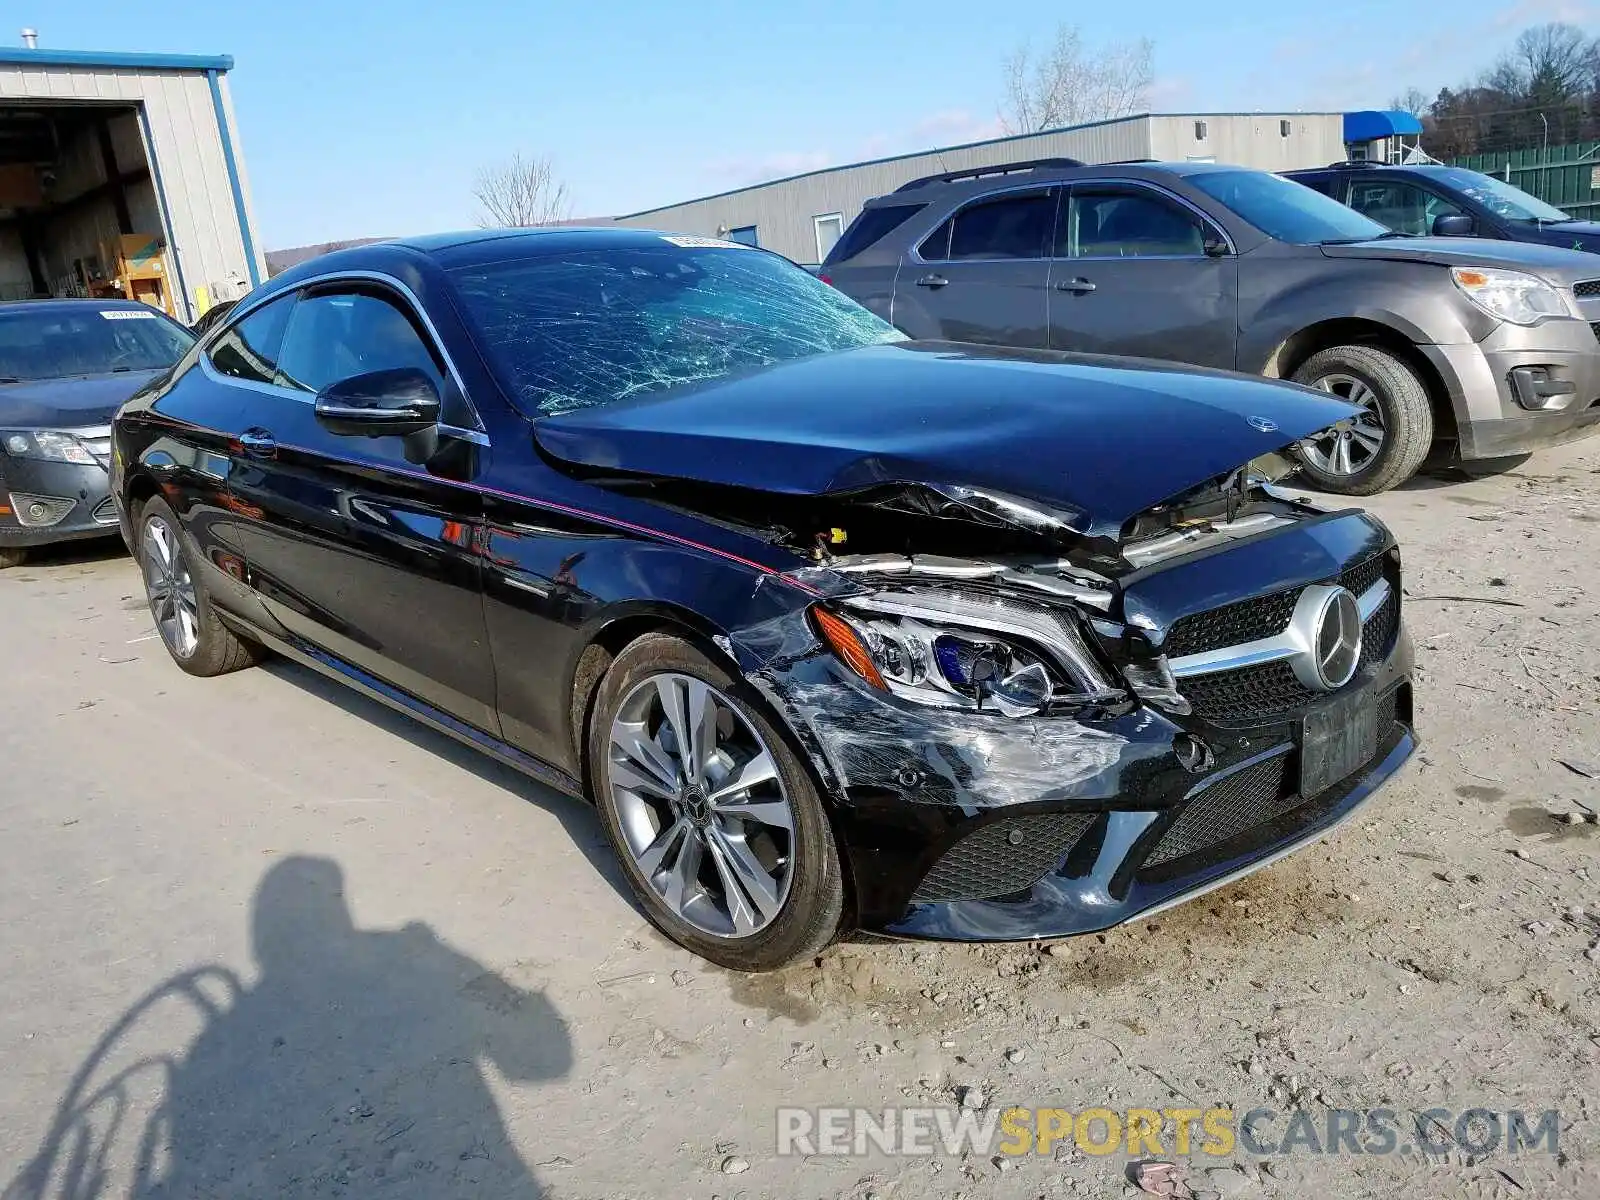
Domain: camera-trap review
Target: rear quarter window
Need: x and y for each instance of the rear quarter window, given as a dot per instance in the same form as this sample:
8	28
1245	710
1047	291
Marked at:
870	228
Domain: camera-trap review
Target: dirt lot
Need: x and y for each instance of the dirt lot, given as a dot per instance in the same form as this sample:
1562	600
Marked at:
260	928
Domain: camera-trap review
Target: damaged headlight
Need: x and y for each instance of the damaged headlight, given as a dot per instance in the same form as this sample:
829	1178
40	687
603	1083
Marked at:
952	650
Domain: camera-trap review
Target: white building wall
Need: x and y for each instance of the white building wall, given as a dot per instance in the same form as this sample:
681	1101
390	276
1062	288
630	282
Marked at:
1252	139
206	237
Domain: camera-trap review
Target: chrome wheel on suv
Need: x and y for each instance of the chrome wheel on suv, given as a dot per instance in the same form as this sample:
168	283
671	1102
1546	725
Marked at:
1349	447
1381	444
701	806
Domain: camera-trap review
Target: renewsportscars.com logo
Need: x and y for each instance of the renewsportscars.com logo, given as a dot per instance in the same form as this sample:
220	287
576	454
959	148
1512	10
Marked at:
1217	1131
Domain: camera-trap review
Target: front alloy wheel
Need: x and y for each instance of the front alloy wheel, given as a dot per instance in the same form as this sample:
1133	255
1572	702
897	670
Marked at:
700	805
1349	447
721	830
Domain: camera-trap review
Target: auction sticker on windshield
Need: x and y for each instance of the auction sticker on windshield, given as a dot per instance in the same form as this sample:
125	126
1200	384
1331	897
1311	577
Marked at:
687	240
126	314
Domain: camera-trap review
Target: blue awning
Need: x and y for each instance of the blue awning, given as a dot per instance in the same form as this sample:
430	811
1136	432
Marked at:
1373	124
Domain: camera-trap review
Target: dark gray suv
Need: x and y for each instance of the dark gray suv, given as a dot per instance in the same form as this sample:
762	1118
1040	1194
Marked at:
1476	349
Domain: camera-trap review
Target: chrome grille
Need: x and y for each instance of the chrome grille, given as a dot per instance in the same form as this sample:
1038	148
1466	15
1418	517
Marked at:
1589	287
1259	617
105	513
1271	691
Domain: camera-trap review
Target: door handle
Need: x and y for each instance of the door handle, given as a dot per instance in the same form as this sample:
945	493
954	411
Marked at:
258	443
932	281
1079	285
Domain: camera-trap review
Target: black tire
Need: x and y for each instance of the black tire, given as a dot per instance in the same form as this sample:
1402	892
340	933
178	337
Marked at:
217	649
811	912
12	556
1400	400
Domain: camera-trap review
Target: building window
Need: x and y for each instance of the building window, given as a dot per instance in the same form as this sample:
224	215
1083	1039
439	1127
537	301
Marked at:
829	228
1284	128
1199	131
745	235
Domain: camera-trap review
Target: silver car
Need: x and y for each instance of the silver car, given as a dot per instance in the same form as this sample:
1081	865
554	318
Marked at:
1457	347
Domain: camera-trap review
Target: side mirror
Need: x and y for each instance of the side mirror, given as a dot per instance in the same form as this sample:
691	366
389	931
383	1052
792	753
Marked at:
1214	245
1452	225
397	402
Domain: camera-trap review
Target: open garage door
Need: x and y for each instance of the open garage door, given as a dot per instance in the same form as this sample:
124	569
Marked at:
79	207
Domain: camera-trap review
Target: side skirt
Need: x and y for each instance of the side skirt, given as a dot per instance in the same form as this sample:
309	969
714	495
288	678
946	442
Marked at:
375	689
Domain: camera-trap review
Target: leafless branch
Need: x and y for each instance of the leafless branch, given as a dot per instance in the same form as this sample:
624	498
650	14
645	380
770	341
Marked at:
522	191
1071	83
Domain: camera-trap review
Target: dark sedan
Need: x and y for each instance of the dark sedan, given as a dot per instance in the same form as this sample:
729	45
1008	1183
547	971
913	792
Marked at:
65	366
834	627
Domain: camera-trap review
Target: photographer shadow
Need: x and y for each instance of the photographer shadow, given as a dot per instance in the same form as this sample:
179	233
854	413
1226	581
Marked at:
351	1066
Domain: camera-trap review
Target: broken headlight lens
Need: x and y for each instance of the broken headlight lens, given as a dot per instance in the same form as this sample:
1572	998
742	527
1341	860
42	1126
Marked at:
952	650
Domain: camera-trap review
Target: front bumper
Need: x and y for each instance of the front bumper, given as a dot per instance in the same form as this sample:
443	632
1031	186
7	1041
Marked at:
88	487
972	826
1491	420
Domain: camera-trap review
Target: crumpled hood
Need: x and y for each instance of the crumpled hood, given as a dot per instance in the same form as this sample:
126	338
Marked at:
1106	438
76	403
1553	262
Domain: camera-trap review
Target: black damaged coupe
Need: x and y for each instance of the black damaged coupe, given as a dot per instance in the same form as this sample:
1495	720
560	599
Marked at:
835	628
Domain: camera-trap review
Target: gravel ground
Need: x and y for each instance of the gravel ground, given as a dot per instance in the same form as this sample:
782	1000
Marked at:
262	932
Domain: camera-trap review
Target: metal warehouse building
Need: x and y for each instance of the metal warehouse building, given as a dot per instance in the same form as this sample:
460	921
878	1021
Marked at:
802	216
120	174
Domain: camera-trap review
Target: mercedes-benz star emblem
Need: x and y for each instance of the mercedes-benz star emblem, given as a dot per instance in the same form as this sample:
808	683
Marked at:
1327	627
1264	425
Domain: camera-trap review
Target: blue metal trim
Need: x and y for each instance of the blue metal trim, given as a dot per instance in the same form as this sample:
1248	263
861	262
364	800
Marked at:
213	77
21	57
166	214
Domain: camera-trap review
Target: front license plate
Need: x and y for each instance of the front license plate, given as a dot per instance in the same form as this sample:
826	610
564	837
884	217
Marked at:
1335	740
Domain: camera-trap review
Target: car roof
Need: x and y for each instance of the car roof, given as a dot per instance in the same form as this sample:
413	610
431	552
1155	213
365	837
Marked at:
67	302
1142	168
449	250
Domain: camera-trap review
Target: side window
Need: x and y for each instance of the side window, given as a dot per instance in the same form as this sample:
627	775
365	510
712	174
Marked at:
336	335
1126	223
1403	207
1009	227
249	350
1329	184
936	246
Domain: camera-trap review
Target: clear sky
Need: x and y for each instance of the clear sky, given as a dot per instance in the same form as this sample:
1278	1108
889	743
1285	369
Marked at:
364	119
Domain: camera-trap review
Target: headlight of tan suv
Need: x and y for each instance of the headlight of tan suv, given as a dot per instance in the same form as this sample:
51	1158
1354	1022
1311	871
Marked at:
1510	295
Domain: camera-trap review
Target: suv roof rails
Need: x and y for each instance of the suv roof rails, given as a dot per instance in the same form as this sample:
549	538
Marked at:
998	169
1355	164
1127	162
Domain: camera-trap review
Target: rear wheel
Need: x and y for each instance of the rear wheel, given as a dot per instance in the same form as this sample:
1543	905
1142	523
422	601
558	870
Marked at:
1381	446
185	618
717	823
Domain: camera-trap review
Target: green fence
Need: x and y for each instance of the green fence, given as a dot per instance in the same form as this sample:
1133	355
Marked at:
1566	176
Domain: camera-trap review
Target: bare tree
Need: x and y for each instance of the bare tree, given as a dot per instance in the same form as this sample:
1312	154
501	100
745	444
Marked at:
1547	64
1070	82
522	191
1413	100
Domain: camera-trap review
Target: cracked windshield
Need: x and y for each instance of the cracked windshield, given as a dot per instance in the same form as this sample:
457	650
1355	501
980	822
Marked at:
593	327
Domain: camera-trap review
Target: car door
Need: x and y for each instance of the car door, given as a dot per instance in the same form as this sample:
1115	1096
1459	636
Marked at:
983	275
1138	272
364	548
1401	204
